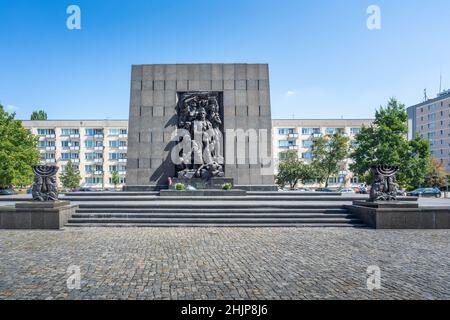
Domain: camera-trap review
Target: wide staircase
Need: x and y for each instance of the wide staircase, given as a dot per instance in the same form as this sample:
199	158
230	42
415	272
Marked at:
254	210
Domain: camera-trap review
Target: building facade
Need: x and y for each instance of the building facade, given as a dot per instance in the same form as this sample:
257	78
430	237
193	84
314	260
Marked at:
431	120
299	135
99	147
96	147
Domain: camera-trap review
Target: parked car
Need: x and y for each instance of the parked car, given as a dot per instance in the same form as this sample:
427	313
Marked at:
7	192
324	190
87	190
401	193
303	190
426	192
346	190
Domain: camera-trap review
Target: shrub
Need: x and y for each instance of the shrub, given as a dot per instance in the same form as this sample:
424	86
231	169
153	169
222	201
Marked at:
227	186
180	187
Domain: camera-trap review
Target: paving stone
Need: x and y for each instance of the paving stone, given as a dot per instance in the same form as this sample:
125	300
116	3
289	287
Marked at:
224	263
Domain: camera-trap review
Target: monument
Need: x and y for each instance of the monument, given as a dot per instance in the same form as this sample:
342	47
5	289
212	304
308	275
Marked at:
45	211
203	124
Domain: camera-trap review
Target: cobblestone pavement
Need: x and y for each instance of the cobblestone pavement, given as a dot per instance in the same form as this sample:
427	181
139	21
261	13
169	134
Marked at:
224	263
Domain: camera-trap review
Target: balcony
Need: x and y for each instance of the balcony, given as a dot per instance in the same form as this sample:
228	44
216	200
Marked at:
98	160
50	136
98	136
122	160
123	136
98	173
74	148
49	160
293	147
123	148
293	135
74	136
99	148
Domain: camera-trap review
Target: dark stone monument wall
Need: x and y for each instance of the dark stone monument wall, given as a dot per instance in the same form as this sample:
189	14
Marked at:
153	117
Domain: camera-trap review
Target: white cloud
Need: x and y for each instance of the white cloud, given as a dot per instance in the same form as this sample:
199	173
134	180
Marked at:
291	93
11	108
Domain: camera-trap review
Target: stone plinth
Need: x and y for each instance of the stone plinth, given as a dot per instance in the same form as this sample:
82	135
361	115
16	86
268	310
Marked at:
400	215
36	215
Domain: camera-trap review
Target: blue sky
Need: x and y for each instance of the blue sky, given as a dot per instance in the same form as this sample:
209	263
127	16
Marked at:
324	61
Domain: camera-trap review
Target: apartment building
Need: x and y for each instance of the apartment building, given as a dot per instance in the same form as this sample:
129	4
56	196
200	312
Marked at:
431	120
99	147
299	135
96	147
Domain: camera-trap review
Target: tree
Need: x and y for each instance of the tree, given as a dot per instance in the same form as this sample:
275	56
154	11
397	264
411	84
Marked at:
70	178
437	176
328	154
18	152
385	142
39	115
115	178
293	171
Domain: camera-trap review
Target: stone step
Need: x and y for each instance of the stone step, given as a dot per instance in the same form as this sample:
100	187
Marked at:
196	220
224	225
209	210
118	198
210	206
253	215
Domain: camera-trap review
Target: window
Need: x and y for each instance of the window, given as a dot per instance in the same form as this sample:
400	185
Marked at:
92	144
121	180
93	156
115	131
89	168
93	180
67	132
91	132
285	131
330	130
432	117
355	130
307	155
70	156
43	132
117	156
47	156
44	144
68	144
307	143
116	144
119	168
286	143
310	131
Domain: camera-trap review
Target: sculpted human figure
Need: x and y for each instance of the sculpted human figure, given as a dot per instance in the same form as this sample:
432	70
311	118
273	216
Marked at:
199	115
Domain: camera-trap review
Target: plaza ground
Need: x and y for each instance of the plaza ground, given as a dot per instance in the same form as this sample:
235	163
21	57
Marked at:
224	263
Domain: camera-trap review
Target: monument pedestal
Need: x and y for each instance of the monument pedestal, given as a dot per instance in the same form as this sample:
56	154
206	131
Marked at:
36	215
400	215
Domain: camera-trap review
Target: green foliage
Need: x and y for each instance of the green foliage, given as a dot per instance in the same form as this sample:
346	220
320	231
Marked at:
291	172
288	155
115	178
437	177
18	152
39	115
227	186
70	178
328	154
385	142
180	186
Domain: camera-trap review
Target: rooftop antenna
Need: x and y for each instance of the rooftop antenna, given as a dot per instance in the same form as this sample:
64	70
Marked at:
440	81
425	96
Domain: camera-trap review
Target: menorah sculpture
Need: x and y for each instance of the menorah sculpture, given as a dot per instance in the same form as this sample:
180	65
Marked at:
384	186
45	185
